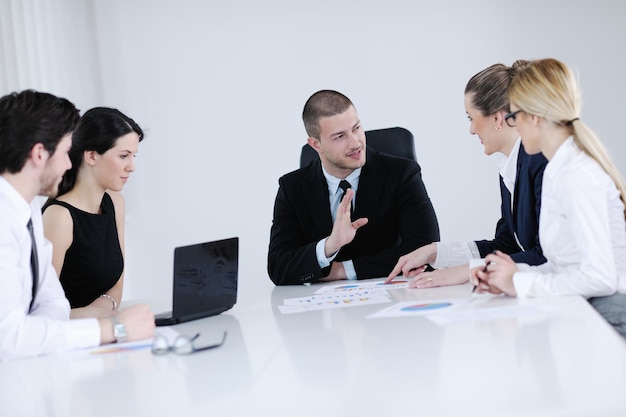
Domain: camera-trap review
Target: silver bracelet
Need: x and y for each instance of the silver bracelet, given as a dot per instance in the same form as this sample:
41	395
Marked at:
112	300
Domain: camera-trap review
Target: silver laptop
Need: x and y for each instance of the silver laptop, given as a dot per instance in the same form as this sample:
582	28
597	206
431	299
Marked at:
205	281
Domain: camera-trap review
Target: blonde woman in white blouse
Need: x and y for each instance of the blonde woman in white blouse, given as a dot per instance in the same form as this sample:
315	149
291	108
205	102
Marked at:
582	227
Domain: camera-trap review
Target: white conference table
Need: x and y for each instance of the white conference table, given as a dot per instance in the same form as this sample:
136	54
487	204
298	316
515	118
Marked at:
561	362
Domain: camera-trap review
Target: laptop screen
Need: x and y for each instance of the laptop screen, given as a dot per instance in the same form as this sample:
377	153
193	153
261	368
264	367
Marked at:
205	278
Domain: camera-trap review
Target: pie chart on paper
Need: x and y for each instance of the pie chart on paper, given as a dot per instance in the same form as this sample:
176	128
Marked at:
425	306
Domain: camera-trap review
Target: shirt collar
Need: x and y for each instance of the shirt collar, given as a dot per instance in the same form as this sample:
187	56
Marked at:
562	154
508	167
333	182
15	200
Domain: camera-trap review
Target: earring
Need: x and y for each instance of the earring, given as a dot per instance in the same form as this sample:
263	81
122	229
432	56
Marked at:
498	128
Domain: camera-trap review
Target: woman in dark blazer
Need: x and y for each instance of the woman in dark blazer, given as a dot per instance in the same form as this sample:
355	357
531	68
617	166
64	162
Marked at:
521	175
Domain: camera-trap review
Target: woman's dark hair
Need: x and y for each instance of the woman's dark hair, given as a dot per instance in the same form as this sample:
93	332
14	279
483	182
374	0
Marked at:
491	87
97	130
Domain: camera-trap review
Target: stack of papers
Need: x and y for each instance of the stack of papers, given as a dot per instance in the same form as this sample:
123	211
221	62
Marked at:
343	295
476	307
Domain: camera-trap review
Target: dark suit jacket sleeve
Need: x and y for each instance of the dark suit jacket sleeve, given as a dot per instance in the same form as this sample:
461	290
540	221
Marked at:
504	240
391	195
401	217
291	256
529	236
528	206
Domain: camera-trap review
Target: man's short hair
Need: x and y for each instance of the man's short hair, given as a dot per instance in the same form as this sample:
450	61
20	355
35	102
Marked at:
28	118
324	103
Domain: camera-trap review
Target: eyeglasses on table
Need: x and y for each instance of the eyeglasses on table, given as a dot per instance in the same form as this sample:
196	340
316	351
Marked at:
183	345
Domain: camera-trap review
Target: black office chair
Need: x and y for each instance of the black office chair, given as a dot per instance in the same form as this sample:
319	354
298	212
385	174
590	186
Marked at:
396	141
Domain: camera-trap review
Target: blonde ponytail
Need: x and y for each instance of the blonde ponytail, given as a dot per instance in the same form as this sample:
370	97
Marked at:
591	145
549	89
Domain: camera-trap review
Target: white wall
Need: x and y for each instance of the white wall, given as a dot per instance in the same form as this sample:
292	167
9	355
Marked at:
219	87
50	46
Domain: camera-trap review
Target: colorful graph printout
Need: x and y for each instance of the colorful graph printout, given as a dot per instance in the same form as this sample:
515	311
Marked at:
419	308
425	306
486	307
335	296
365	285
347	294
332	301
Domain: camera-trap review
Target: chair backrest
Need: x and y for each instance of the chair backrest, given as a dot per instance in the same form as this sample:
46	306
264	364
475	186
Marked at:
396	141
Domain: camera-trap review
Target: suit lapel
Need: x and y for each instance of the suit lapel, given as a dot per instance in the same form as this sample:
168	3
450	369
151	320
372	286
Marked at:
317	198
367	199
370	187
516	189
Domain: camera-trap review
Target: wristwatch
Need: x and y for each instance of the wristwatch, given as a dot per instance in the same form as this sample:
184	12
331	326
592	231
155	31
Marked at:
119	330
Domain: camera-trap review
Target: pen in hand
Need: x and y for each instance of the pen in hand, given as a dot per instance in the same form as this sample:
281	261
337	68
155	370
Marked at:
484	270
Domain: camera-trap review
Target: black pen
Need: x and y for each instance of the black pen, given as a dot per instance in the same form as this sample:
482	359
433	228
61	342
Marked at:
484	270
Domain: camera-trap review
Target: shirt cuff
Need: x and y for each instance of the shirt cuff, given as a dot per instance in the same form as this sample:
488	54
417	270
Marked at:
523	282
455	253
348	266
82	333
322	260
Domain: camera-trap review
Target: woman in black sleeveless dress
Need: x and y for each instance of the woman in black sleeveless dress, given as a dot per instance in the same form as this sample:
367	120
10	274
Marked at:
85	222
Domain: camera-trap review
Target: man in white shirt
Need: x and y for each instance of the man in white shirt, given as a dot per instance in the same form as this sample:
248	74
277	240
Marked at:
35	138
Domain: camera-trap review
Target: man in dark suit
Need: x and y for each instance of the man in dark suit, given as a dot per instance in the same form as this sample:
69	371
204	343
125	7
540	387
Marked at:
314	236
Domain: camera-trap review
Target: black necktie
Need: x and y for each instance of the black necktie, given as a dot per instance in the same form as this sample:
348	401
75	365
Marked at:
344	185
34	264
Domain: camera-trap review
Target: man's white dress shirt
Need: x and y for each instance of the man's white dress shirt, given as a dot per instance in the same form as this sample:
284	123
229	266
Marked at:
334	195
47	328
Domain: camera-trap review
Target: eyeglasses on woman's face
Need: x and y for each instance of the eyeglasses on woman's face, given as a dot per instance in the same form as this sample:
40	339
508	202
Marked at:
510	118
183	345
